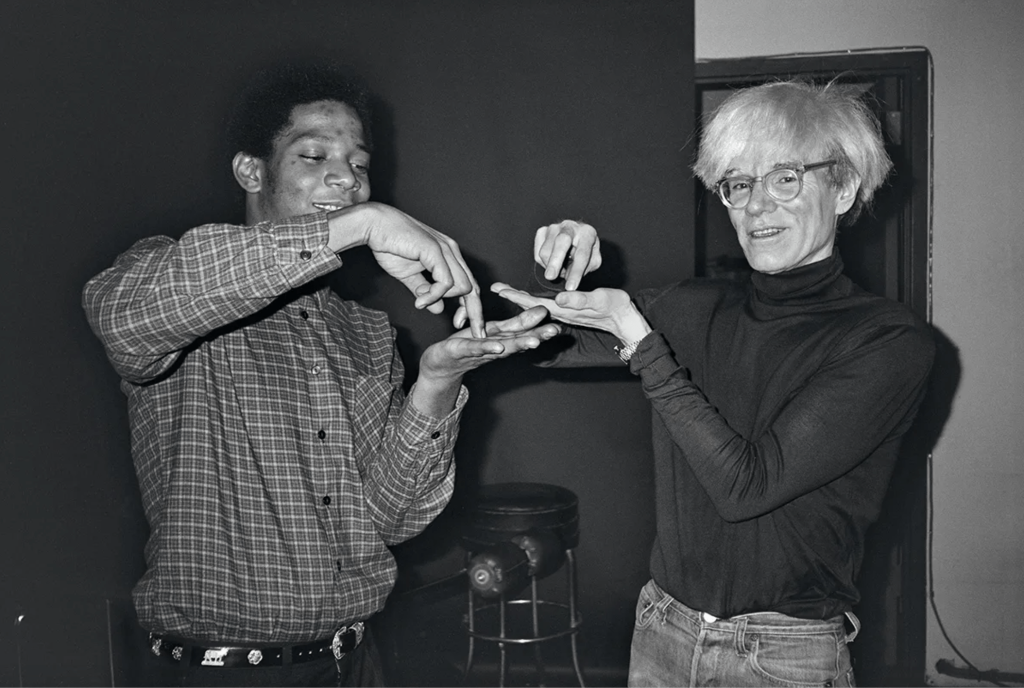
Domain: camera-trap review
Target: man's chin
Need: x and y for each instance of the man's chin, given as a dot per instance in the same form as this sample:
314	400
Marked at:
768	265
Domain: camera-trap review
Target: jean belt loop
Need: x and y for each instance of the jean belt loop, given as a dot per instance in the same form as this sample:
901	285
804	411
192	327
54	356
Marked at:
741	636
856	626
663	604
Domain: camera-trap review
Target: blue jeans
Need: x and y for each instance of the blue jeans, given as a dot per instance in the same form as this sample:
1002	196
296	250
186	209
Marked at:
674	645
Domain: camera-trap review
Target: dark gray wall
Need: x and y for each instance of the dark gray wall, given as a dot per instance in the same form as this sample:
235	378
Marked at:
499	117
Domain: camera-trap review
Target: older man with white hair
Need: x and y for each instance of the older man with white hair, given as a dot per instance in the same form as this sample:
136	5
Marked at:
779	402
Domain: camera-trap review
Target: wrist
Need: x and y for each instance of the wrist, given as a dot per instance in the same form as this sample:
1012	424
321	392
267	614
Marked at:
631	328
436	396
349	227
630	325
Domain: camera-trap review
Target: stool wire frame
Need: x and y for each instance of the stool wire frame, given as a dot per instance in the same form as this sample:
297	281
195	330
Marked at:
503	639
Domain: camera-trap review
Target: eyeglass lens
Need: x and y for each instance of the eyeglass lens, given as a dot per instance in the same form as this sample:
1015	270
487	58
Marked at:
781	184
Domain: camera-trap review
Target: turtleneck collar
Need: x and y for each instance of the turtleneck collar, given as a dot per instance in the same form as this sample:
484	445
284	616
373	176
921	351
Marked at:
820	281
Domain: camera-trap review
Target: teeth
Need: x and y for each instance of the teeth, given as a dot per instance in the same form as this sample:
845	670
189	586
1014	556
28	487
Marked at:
328	207
762	233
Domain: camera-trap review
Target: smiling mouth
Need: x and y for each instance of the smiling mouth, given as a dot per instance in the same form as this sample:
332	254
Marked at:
766	233
328	207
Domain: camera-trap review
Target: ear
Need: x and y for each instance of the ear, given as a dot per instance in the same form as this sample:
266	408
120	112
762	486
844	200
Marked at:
847	194
249	172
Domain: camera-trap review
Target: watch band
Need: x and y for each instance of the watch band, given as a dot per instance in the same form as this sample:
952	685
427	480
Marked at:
626	351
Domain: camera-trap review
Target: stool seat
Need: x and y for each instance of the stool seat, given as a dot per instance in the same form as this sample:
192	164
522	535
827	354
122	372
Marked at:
504	510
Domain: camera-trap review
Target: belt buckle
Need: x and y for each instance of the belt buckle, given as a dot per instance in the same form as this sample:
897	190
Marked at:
356	628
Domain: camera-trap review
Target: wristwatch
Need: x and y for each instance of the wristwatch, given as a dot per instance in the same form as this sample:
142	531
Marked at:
626	351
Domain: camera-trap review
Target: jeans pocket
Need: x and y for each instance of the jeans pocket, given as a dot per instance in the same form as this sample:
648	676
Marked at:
799	660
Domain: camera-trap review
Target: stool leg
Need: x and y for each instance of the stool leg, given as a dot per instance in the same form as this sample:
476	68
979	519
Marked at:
503	668
471	625
538	658
571	560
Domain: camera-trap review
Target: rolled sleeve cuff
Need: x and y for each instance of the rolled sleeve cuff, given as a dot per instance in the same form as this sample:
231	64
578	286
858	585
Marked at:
653	359
302	251
424	435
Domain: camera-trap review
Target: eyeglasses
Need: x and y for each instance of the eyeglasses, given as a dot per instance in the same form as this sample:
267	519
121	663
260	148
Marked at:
783	184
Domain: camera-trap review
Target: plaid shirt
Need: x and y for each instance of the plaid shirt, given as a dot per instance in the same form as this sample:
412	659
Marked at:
275	452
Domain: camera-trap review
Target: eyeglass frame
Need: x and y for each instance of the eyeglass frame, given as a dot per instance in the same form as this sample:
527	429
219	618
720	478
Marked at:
799	170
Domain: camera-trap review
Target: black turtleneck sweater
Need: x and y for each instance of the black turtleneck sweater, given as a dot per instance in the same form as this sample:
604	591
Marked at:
779	406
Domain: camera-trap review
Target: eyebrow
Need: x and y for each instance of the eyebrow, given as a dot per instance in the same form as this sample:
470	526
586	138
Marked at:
309	135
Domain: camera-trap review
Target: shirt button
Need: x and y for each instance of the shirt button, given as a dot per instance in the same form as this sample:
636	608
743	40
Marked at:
304	314
305	255
327	500
315	370
321	434
434	435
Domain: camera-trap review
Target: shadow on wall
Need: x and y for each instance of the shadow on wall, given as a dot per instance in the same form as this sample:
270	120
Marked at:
890	649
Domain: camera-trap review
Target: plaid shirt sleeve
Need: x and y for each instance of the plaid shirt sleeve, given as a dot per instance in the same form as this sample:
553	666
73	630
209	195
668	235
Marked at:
412	478
161	295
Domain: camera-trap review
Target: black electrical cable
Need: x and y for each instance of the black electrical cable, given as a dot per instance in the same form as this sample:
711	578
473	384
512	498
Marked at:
979	674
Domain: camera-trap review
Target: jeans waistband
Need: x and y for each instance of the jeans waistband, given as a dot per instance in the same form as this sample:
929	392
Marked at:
762	622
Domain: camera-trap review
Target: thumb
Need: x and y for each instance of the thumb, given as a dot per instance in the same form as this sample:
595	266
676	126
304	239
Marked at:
576	300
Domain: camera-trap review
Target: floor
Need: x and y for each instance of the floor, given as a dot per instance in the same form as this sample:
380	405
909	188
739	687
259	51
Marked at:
424	642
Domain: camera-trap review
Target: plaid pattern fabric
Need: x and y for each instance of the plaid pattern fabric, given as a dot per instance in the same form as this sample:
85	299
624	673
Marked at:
275	452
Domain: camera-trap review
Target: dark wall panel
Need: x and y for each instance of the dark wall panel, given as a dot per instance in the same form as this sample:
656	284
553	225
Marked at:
497	117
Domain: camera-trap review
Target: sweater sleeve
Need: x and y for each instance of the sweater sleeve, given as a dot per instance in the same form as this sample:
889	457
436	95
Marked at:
859	398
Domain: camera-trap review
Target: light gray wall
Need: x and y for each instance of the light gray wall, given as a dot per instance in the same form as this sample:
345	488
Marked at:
978	297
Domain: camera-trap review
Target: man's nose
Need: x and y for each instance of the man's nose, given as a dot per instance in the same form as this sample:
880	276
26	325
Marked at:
760	201
343	176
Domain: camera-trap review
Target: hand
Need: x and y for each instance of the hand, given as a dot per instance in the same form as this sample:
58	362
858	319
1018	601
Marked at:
610	310
407	248
567	249
460	353
444	363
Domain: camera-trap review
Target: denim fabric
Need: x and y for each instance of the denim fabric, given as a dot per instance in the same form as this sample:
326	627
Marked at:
674	645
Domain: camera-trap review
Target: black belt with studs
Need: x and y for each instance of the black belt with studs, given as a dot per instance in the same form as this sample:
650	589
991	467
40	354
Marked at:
344	640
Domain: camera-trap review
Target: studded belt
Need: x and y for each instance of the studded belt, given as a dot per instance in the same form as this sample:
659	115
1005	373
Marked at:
344	640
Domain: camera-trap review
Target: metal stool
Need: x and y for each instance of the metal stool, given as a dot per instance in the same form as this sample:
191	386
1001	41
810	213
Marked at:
518	533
